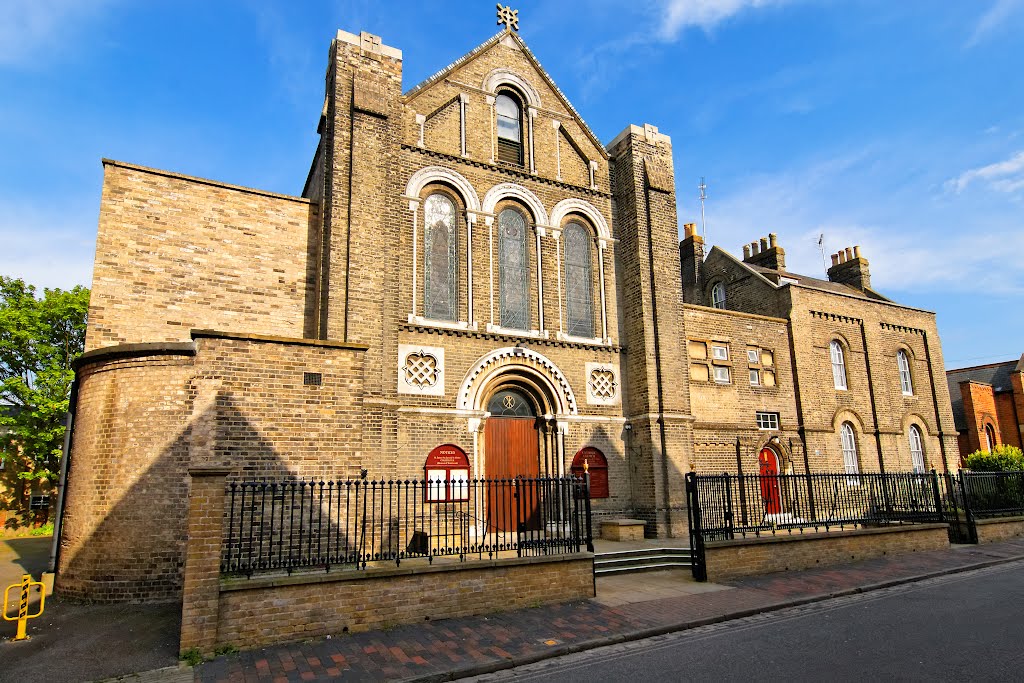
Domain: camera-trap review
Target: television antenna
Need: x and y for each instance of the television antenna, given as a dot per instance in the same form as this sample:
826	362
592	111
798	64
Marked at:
821	248
703	195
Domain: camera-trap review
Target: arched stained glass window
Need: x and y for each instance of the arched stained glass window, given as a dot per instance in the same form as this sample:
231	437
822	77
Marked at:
579	307
439	258
510	129
513	277
916	449
838	365
718	295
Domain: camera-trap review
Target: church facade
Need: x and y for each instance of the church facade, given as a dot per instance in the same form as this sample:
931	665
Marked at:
468	270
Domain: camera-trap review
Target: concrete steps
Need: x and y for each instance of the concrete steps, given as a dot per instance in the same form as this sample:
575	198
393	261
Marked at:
641	560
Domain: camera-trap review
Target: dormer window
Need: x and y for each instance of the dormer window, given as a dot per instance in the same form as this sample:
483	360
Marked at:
510	128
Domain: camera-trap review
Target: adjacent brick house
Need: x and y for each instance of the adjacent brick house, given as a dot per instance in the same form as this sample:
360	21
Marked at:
988	405
469	266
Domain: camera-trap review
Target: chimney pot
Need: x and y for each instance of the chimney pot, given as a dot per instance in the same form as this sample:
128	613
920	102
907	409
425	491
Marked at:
856	251
746	252
835	259
764	244
849	254
772	240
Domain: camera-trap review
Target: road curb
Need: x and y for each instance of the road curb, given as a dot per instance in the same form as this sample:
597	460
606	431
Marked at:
640	634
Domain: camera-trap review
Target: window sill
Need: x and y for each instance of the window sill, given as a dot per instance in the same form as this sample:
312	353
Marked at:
561	336
444	324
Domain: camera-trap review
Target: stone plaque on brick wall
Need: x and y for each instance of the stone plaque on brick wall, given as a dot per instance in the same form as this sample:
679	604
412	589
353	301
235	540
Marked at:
420	370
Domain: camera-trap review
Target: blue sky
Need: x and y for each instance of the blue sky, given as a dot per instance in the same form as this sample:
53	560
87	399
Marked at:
898	126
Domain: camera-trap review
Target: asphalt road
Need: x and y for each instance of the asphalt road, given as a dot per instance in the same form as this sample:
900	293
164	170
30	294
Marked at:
966	626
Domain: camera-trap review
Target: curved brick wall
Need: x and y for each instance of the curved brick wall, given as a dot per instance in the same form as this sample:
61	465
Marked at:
126	500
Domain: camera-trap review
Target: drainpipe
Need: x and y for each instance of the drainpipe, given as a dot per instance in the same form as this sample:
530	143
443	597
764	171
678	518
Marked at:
65	461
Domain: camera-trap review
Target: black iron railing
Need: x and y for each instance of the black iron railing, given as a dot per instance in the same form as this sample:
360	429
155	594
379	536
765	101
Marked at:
994	494
728	506
970	496
290	524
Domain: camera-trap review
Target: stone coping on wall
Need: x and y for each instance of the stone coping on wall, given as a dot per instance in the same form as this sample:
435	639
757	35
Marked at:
823	535
205	181
274	339
106	353
442	564
995	529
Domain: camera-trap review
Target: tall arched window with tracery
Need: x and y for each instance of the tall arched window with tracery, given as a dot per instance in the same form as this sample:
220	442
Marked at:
916	449
906	381
849	443
440	242
838	365
579	304
513	271
718	295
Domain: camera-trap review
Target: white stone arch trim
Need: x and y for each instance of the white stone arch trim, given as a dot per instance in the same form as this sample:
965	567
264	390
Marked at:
502	76
511	190
439	174
846	415
471	392
585	209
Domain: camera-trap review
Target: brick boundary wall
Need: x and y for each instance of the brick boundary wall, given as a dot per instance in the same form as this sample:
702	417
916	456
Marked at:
1001	529
753	556
247	613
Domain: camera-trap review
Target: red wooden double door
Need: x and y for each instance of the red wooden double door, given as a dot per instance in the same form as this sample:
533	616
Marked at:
512	447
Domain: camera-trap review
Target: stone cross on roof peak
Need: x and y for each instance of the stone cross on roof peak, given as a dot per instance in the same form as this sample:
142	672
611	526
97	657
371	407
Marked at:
509	17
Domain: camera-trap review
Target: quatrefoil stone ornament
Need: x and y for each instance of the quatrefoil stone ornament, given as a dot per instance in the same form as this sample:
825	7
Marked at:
420	370
602	384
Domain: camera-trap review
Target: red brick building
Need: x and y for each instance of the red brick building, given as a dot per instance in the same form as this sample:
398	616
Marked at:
988	405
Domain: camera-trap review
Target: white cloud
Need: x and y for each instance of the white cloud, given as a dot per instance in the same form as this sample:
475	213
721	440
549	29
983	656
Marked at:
31	27
993	19
1003	176
678	15
900	233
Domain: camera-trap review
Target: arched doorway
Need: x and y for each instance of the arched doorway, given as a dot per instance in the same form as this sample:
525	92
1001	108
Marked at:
771	496
511	442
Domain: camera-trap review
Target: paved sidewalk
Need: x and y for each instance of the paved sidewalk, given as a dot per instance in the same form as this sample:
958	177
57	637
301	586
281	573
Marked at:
88	642
626	608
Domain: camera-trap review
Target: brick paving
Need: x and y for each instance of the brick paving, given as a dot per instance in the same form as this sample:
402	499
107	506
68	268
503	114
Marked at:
452	648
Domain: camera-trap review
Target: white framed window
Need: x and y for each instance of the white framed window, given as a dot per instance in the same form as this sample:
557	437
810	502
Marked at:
838	365
916	449
767	421
510	128
906	382
718	295
719	352
755	377
753	356
850	459
722	375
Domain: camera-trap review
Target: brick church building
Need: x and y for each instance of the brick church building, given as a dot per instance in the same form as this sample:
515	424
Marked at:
468	267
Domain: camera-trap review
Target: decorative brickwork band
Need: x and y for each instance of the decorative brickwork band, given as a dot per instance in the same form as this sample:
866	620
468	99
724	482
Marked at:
201	598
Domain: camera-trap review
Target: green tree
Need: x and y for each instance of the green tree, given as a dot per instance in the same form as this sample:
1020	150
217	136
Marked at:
39	339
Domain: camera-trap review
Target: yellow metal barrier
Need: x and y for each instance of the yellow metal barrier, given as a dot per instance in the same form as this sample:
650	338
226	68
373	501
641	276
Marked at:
23	616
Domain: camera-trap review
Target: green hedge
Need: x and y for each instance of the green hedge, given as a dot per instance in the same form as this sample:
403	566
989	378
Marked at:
1000	459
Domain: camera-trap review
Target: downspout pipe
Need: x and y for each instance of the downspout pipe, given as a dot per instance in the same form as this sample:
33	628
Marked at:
62	482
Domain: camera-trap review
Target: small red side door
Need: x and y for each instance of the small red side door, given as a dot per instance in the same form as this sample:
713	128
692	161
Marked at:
770	481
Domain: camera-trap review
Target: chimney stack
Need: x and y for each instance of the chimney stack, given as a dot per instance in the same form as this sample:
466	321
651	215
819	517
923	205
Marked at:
765	252
691	262
850	268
